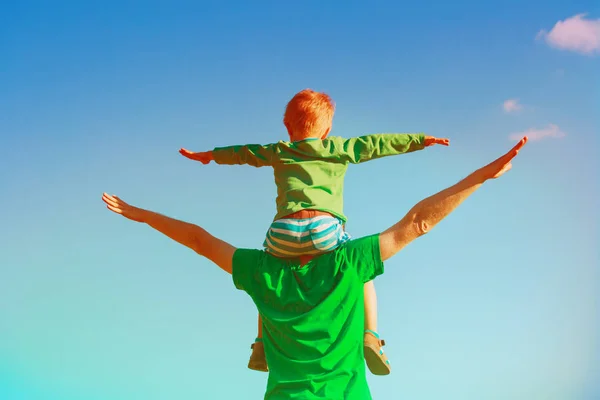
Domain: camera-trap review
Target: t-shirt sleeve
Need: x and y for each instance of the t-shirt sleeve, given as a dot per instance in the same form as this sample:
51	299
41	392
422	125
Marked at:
370	147
364	256
245	269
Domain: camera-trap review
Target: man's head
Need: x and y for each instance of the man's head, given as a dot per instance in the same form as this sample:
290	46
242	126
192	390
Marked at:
309	114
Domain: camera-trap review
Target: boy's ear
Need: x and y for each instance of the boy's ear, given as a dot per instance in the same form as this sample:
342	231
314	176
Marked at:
288	129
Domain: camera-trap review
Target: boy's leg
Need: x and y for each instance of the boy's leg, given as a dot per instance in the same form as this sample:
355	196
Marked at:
374	356
258	361
370	307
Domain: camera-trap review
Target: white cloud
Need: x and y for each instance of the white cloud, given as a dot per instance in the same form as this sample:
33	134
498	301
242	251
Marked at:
512	105
551	131
576	34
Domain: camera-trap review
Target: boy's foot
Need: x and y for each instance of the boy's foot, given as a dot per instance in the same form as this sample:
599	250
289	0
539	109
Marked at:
258	361
376	361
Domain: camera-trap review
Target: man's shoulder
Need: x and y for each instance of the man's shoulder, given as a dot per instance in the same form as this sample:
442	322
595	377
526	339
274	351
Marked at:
242	256
365	243
244	266
248	261
251	268
354	251
363	255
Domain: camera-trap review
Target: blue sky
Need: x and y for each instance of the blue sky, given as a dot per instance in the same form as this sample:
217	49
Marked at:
500	301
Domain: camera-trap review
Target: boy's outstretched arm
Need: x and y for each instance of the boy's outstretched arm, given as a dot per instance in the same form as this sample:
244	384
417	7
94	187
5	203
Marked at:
429	212
252	154
370	147
189	235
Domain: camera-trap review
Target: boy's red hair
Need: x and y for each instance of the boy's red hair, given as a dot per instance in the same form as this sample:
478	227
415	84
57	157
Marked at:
309	114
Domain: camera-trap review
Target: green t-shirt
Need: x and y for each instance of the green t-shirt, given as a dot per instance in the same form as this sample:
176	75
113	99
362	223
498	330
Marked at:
313	318
309	174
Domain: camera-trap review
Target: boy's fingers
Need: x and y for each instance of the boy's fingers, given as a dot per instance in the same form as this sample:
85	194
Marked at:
190	155
186	153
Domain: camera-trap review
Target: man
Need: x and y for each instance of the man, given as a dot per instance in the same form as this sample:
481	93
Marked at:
312	312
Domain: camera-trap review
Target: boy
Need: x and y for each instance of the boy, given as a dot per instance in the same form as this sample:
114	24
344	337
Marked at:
309	174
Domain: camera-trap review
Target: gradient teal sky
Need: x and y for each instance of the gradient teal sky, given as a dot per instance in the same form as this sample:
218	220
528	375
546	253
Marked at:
501	301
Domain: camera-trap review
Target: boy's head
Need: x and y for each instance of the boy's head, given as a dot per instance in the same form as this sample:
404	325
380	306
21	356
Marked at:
309	114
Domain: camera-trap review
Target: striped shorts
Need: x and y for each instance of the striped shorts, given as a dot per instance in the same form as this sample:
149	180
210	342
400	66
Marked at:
289	237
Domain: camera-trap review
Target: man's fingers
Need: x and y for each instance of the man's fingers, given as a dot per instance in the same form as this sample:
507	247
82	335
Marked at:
506	168
114	209
515	150
108	197
112	201
520	145
118	199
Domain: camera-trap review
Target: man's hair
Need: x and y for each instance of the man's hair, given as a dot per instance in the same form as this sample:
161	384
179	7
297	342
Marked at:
308	114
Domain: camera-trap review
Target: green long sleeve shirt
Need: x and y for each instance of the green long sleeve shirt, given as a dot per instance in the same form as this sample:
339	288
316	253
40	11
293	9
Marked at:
309	174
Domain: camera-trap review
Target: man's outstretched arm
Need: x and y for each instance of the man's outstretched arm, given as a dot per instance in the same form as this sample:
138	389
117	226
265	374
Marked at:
189	235
430	211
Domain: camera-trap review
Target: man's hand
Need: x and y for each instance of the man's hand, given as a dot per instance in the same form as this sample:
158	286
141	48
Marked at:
118	206
203	156
189	235
430	141
498	167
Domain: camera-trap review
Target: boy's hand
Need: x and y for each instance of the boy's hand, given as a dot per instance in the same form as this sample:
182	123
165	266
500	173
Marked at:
430	141
203	156
115	204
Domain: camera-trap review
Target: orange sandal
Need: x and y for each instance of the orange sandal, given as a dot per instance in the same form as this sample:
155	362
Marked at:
258	361
376	360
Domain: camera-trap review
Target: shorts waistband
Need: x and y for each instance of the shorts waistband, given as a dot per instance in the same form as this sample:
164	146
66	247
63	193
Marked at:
305	214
